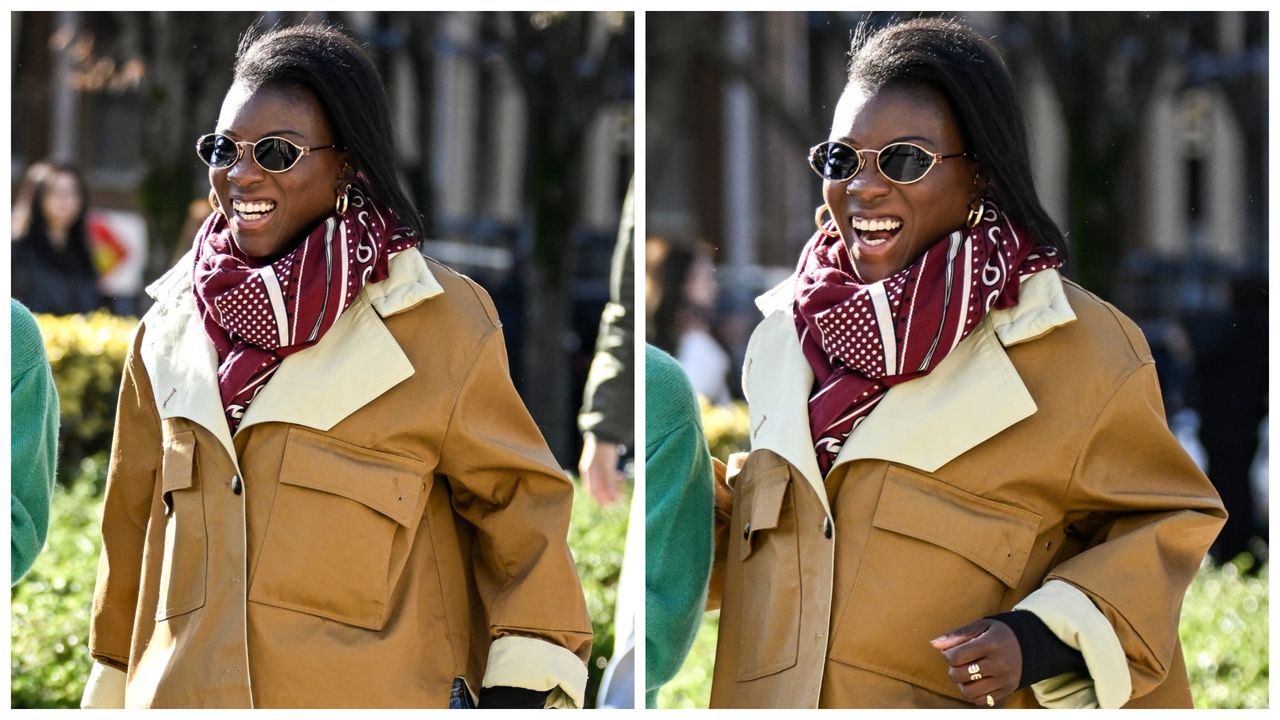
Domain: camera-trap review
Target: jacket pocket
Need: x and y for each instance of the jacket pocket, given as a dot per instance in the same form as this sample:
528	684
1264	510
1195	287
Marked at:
769	554
937	558
186	546
341	526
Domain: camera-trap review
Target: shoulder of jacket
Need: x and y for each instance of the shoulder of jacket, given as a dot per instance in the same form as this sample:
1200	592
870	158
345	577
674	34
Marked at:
669	396
1106	324
466	299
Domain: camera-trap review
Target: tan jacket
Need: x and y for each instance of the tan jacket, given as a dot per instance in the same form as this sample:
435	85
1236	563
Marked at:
386	518
1032	469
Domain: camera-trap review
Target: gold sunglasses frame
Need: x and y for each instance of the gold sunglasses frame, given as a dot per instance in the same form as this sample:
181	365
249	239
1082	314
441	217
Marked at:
303	151
862	162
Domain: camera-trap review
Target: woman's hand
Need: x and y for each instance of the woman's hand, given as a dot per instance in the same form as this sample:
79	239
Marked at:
985	660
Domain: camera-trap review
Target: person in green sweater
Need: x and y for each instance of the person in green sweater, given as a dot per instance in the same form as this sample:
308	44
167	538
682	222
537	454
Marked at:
678	519
34	439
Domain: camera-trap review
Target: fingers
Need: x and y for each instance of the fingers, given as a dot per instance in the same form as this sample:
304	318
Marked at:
953	638
604	485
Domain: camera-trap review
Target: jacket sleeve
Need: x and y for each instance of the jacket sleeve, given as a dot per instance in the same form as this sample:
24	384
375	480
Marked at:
608	400
1146	516
506	484
678	519
135	459
34	441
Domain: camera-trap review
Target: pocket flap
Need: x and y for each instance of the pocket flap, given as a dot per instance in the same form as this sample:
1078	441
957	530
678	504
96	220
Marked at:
389	484
761	504
992	535
179	457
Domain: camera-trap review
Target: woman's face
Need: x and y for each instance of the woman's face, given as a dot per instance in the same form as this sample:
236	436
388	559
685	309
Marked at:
294	201
61	203
927	209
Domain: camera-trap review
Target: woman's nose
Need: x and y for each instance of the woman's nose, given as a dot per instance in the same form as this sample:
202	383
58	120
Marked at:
245	170
867	184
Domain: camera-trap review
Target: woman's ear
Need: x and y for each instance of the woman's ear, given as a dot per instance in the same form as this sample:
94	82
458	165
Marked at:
346	173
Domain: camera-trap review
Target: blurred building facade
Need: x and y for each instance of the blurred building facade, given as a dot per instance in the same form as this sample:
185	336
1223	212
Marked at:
125	94
730	121
1148	139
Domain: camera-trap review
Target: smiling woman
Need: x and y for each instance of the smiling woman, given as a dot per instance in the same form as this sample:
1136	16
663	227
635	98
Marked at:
961	488
324	489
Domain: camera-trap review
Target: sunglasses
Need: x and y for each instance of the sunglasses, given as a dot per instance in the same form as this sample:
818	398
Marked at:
901	162
273	154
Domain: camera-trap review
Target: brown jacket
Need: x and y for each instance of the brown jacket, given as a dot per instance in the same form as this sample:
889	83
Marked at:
385	519
1032	469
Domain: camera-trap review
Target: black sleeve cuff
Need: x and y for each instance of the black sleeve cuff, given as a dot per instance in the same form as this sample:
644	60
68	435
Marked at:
505	696
1043	654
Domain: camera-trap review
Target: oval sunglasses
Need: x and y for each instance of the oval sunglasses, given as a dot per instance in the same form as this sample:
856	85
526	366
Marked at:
901	162
273	154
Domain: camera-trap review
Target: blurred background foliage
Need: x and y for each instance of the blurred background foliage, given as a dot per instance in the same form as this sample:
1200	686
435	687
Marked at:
49	616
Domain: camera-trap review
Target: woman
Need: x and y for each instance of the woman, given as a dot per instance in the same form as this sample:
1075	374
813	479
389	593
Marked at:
55	272
683	300
961	489
324	490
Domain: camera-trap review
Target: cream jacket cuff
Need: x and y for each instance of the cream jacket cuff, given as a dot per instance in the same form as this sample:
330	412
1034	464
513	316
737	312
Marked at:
1073	617
526	662
104	690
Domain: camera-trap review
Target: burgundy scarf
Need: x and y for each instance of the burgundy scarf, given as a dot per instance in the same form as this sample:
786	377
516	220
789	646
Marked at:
257	314
863	338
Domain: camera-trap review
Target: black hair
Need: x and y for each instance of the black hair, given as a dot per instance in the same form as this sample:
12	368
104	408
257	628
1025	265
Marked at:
953	59
75	255
342	76
672	310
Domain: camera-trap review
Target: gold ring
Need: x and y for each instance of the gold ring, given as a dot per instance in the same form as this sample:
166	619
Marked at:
976	676
990	702
973	668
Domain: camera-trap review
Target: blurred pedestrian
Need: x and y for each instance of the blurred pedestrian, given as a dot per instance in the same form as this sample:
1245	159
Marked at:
607	418
53	269
33	444
324	489
961	488
682	299
607	421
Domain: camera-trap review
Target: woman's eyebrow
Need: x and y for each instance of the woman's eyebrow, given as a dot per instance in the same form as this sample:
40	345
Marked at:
273	133
850	141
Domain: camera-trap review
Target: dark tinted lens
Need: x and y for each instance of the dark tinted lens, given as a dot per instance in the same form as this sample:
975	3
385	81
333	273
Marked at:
834	161
217	150
275	154
904	163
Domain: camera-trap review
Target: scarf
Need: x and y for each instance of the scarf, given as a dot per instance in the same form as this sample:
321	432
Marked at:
863	338
257	314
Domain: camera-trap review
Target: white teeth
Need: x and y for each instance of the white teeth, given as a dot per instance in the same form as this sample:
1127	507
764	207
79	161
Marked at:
252	210
874	225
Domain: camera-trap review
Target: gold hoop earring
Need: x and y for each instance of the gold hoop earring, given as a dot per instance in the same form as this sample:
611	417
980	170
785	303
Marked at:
343	199
213	201
822	226
975	215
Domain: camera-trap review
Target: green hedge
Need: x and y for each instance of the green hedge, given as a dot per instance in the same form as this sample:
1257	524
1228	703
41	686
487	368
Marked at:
87	354
50	662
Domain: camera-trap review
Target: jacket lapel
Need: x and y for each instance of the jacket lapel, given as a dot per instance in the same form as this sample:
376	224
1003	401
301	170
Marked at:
180	359
973	394
356	361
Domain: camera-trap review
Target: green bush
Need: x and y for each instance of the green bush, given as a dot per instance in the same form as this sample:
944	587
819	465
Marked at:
86	353
1224	634
49	608
1223	629
597	536
50	662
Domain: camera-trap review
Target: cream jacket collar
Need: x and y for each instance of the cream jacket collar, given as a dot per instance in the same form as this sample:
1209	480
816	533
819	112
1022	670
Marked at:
973	394
356	361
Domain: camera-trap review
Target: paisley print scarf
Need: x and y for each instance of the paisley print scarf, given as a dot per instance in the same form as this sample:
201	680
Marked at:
863	338
257	314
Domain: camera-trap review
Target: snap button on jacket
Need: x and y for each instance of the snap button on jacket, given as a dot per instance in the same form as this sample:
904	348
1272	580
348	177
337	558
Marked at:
387	517
1032	469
